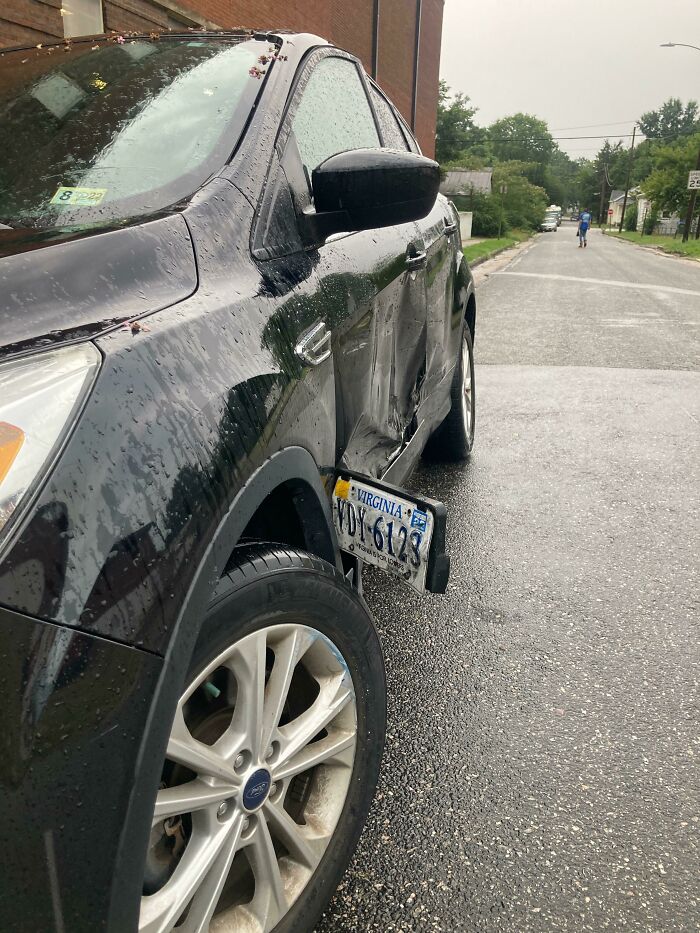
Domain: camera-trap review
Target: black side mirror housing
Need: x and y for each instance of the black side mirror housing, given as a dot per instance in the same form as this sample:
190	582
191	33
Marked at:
365	189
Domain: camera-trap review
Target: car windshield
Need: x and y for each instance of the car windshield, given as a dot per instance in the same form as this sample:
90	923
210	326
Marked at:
102	131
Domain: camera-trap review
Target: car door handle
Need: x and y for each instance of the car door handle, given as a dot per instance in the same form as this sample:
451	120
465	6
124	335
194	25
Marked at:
449	229
417	260
314	346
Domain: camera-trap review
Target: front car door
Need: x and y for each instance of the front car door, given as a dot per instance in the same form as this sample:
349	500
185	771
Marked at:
373	281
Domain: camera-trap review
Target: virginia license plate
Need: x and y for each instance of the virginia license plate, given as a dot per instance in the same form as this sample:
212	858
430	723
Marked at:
383	529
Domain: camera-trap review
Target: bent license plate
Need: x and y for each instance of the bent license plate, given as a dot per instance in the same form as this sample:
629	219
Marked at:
383	529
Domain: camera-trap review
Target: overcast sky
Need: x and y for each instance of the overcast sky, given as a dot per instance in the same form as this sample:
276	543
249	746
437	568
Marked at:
571	63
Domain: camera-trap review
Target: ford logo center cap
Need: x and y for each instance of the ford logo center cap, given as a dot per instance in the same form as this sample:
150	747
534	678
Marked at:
256	789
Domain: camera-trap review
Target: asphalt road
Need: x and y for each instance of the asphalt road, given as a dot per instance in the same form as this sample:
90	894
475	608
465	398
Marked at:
542	766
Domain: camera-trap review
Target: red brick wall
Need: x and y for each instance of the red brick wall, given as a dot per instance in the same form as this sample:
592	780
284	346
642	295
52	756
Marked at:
29	21
297	15
429	74
397	33
347	23
352	27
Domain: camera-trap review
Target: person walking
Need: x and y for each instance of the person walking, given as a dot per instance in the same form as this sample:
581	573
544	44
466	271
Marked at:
584	222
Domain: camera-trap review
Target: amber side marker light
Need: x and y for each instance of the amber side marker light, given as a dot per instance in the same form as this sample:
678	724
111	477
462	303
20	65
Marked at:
11	440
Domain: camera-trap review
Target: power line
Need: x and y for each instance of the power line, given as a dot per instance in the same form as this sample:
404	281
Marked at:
590	126
506	139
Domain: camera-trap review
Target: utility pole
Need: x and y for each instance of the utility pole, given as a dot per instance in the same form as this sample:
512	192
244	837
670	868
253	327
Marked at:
627	182
691	208
503	190
602	195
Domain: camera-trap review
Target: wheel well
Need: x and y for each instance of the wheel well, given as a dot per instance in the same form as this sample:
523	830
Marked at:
291	514
470	316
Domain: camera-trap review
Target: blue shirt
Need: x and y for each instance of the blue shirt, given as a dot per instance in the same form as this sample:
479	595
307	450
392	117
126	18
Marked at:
585	219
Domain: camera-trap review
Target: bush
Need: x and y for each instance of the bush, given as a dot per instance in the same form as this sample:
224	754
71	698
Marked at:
631	216
487	212
650	221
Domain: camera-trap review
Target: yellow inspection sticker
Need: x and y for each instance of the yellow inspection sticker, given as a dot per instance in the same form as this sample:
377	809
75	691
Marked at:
79	197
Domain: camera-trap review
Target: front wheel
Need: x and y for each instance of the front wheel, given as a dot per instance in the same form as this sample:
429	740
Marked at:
274	752
454	439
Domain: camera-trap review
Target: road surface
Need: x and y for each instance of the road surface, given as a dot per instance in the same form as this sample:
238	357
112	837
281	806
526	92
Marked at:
542	765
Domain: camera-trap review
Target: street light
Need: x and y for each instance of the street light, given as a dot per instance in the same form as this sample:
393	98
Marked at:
691	204
672	45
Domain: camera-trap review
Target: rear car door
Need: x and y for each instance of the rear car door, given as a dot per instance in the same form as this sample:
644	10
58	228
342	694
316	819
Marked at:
373	281
440	231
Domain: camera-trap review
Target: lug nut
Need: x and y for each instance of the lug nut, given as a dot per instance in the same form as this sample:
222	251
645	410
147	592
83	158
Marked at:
240	761
273	790
269	753
246	825
223	809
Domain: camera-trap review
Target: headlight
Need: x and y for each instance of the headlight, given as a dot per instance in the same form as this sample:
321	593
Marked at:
39	399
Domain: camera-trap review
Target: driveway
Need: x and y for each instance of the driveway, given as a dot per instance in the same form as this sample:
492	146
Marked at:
542	769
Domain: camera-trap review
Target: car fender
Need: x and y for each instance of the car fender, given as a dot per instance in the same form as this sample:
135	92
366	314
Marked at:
290	465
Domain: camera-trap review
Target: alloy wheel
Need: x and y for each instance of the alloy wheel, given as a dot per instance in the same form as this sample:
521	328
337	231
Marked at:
257	771
467	389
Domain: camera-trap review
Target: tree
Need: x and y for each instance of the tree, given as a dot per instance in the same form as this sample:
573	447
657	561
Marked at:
523	138
672	120
667	185
602	175
456	129
560	179
524	204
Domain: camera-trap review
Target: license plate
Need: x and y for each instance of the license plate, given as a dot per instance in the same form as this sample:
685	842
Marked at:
384	529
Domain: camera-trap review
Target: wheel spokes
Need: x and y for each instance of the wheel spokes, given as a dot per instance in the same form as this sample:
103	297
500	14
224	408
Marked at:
300	848
288	652
247	663
185	750
325	750
207	897
206	852
332	699
188	798
269	902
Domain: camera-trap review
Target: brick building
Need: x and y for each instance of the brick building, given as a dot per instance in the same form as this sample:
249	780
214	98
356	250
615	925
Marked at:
398	40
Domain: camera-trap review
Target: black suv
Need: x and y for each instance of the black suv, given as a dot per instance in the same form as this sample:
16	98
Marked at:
231	299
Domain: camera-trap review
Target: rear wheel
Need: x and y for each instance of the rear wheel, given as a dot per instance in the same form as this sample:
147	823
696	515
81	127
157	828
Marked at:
274	753
454	439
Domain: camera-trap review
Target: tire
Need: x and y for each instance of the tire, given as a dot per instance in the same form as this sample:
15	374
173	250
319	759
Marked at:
454	439
275	610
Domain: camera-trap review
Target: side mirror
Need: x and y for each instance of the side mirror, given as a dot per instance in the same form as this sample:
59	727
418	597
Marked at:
365	189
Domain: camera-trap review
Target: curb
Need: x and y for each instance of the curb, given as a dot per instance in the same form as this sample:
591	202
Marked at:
497	252
659	250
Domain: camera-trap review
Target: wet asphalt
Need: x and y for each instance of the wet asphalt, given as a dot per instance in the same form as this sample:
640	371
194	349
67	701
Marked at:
542	769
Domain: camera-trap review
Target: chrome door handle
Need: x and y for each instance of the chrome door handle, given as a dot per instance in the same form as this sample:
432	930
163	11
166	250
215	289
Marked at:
417	261
449	229
314	346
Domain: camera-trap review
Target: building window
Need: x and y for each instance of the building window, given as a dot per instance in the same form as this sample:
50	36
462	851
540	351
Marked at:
82	17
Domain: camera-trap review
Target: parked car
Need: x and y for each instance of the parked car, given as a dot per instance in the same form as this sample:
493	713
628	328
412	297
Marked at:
232	300
549	224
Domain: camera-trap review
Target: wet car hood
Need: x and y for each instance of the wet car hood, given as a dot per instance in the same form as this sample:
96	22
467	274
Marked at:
56	287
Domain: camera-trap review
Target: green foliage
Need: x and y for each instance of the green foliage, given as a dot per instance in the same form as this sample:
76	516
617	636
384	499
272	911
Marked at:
526	158
672	120
667	184
487	215
560	179
467	160
524	204
650	221
523	138
631	215
455	125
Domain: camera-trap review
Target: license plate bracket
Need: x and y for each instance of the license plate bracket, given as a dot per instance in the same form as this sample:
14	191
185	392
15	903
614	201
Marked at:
392	529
